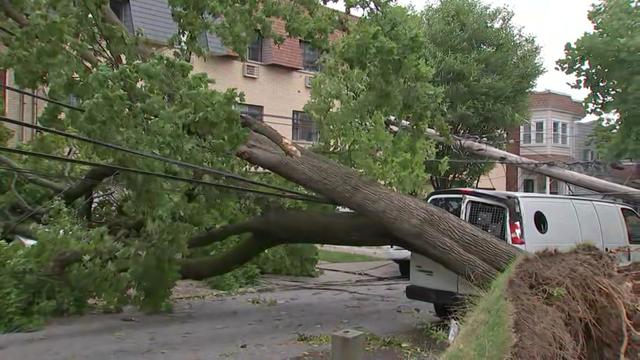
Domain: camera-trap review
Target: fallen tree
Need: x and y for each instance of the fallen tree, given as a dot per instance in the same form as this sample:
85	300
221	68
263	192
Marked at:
151	232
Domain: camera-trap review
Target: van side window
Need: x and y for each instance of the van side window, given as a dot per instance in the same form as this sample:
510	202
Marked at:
540	220
452	205
632	221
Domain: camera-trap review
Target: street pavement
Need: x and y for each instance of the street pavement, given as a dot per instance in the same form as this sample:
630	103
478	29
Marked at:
264	324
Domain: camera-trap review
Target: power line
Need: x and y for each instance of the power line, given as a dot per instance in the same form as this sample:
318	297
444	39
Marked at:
64	177
218	172
7	31
150	155
43	98
161	175
223	174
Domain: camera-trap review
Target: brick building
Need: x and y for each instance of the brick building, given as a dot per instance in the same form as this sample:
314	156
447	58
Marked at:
555	132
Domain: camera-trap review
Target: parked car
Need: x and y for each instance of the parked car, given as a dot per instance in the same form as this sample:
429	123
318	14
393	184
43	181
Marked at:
401	257
531	222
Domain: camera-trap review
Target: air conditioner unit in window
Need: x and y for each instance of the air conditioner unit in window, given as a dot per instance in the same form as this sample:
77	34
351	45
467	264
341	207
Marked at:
307	81
251	70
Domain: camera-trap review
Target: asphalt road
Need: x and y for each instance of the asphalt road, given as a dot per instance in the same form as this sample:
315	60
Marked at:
262	325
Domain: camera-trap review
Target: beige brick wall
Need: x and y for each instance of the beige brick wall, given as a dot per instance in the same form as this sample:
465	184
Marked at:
23	108
496	178
279	90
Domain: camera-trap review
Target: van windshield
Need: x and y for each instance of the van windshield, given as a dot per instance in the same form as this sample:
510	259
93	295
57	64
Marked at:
452	204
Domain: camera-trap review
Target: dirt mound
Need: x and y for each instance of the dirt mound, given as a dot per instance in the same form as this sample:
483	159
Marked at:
574	305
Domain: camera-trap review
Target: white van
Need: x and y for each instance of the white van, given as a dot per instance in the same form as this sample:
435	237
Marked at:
531	222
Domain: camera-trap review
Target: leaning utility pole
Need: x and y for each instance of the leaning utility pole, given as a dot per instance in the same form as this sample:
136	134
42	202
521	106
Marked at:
588	182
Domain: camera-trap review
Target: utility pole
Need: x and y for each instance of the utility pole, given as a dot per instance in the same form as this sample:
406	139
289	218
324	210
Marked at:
585	181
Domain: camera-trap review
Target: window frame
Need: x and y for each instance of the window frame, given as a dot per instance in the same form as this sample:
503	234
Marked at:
526	133
533	185
296	125
122	10
564	133
539	133
556	132
560	131
308	49
250	113
257	45
588	155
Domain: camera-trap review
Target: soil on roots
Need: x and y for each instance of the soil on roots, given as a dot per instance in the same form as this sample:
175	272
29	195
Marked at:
574	305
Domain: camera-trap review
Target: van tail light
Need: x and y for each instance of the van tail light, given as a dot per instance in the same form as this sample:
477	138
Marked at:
516	233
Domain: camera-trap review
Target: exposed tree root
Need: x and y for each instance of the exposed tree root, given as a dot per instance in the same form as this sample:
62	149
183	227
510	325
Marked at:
572	306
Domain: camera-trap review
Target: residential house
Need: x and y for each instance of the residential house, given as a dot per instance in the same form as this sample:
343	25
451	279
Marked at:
275	79
556	133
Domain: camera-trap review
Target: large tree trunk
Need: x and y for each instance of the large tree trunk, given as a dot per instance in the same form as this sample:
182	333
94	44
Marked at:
420	227
286	227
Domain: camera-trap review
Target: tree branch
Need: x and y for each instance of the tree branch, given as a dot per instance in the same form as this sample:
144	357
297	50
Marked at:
23	22
205	267
20	201
13	14
304	227
287	227
32	178
92	179
270	133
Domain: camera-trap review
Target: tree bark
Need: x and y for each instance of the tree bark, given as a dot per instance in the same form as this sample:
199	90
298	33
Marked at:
88	183
457	245
287	227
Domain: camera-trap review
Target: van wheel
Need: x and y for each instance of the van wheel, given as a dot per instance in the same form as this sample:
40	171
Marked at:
404	266
444	311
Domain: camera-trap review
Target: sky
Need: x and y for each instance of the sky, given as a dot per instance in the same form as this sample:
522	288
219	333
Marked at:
553	23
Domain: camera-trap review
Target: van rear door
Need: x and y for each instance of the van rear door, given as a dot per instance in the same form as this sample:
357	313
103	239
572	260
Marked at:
612	225
589	224
490	216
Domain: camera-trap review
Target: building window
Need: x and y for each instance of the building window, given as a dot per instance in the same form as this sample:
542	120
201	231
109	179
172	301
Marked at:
254	51
310	57
529	185
304	128
554	187
556	132
526	133
255	111
588	155
122	10
560	132
539	132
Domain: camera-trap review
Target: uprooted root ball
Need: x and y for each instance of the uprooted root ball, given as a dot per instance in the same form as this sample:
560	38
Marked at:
573	306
